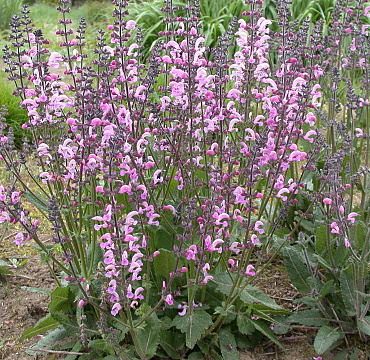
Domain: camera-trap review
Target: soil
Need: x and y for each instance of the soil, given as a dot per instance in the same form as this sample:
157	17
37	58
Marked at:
21	309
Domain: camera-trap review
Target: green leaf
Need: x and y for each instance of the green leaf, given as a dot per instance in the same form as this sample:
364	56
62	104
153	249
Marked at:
193	325
308	318
68	323
262	327
325	338
224	283
320	242
296	268
164	263
5	270
172	343
36	290
163	239
364	325
149	337
348	293
103	345
228	345
76	348
45	324
245	325
59	299
37	201
59	333
95	254
252	294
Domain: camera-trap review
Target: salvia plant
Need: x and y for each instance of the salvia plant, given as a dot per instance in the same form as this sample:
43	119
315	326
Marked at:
171	184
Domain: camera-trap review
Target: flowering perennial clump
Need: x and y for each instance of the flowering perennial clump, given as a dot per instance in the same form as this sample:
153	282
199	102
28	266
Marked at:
174	181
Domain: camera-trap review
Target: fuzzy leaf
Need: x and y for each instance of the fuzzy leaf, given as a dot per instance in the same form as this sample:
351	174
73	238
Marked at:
193	325
228	344
325	338
348	293
164	263
149	337
37	290
59	299
320	242
224	283
263	328
308	318
252	294
45	324
296	268
364	325
37	201
59	333
245	325
171	342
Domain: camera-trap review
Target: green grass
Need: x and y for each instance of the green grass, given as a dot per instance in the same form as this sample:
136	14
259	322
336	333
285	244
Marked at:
16	115
7	9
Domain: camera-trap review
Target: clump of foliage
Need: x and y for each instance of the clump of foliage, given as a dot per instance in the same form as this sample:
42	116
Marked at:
15	115
172	182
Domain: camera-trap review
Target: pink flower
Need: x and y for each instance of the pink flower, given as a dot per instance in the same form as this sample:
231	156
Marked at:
257	227
351	217
115	309
335	228
18	239
54	59
309	133
169	299
327	201
250	270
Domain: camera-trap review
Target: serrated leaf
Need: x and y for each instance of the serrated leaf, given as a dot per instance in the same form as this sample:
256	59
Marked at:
37	201
252	294
320	242
164	263
296	268
348	293
245	325
103	345
308	318
325	338
224	283
193	325
364	325
45	324
68	323
172	343
59	333
76	348
37	290
262	327
163	239
228	345
149	336
5	270
59	299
